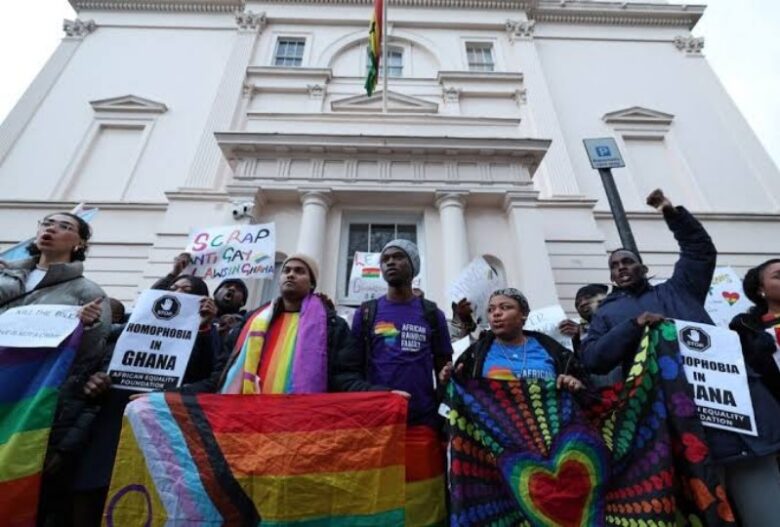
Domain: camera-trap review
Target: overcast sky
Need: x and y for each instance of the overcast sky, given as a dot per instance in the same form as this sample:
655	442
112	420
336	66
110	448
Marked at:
742	45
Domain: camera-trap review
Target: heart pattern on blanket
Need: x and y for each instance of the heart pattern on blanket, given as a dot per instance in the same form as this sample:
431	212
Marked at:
564	490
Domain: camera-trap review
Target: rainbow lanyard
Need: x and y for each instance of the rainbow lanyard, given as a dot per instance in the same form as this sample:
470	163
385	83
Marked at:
772	324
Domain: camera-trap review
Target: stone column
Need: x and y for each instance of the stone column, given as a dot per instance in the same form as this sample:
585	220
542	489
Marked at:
208	158
531	257
311	237
24	110
559	178
451	207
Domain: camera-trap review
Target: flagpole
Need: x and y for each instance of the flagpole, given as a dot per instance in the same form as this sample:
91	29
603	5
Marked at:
384	56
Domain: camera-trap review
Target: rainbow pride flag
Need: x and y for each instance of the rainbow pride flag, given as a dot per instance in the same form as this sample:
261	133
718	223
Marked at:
374	47
308	460
29	384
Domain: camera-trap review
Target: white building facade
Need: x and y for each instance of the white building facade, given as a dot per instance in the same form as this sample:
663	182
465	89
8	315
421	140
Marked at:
171	114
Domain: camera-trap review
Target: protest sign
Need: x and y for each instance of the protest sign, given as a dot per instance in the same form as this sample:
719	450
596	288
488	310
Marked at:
726	299
37	326
366	282
715	367
476	283
153	350
460	346
235	251
546	320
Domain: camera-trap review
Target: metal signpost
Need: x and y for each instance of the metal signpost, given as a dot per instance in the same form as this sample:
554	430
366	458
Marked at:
604	156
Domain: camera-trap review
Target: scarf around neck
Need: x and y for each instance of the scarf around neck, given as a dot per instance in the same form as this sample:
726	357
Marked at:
310	361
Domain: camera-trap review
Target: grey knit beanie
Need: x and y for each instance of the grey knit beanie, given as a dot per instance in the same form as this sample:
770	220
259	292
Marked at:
411	251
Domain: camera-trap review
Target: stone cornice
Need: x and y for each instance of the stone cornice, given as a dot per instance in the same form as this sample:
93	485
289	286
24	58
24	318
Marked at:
506	5
616	13
192	6
234	144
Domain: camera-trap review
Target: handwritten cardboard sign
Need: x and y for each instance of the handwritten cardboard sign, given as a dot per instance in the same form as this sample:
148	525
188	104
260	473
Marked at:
235	251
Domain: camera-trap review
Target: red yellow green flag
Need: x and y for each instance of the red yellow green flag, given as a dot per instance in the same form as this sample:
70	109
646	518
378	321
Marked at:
374	47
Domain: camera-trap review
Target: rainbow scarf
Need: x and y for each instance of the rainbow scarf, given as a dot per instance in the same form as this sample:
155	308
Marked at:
374	47
524	453
30	379
309	372
288	459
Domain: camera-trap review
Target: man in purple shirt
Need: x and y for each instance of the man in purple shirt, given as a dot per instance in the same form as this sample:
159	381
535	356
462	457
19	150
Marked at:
406	341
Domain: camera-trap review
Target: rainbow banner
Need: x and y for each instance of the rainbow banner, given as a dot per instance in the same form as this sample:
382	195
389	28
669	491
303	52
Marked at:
30	379
524	453
325	459
374	47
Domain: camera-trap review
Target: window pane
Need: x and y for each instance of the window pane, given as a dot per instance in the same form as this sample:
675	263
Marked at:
380	235
372	238
480	57
289	52
407	232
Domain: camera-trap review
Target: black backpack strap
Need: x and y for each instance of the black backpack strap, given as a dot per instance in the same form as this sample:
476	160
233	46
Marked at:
368	310
430	312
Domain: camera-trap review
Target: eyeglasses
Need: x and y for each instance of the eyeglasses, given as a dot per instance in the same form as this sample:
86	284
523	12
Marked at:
61	225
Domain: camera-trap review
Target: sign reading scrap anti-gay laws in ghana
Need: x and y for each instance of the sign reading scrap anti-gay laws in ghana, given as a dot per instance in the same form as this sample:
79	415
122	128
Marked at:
716	369
153	350
235	251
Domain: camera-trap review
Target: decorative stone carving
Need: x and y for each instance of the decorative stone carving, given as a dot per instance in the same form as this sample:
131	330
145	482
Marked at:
316	91
451	95
521	96
690	45
249	21
78	28
520	29
247	89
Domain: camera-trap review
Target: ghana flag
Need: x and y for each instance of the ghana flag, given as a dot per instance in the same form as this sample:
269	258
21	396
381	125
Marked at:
374	47
30	379
325	459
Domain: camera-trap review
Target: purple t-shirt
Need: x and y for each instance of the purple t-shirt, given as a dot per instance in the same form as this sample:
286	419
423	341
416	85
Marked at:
402	353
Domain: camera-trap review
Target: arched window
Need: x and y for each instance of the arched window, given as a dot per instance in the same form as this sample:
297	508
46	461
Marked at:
395	62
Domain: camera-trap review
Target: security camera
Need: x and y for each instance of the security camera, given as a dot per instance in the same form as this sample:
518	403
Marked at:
243	209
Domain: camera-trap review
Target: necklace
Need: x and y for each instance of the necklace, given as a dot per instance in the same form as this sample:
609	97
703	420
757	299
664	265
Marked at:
503	349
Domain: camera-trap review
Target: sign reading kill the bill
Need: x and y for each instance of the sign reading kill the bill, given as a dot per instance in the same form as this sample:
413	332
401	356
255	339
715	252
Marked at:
235	251
153	350
366	282
726	299
37	326
715	368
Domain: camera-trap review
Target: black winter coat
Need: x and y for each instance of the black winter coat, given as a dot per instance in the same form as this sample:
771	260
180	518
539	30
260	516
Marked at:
473	359
614	335
758	346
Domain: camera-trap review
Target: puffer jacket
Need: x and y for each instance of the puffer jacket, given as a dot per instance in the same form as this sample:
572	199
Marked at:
614	335
64	284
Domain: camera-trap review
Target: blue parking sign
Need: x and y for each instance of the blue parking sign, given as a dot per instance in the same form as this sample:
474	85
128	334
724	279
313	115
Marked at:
603	153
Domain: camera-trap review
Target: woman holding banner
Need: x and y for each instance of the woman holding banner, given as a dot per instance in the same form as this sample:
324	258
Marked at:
508	352
54	275
93	473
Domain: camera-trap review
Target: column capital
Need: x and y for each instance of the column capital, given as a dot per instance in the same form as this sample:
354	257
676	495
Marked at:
521	200
78	28
451	198
251	22
321	197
